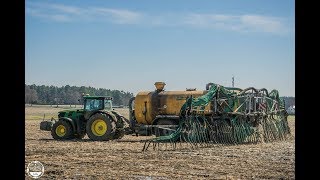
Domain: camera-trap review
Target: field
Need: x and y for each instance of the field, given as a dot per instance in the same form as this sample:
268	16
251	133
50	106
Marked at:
85	159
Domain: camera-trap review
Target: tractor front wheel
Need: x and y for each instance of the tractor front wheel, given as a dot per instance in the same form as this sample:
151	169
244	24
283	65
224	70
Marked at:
100	127
62	130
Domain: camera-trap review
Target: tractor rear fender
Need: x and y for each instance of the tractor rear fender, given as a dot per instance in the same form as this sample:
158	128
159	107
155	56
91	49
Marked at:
73	124
112	116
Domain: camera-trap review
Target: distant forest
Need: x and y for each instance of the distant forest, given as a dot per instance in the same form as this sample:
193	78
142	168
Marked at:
53	95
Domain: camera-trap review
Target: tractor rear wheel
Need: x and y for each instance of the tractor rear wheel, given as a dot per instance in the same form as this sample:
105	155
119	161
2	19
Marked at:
119	134
62	130
100	127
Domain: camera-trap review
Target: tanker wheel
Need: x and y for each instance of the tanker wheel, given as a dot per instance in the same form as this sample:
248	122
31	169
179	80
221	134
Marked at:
164	132
100	127
62	130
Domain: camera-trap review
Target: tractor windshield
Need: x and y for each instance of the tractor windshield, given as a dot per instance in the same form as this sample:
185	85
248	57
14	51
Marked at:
108	104
93	104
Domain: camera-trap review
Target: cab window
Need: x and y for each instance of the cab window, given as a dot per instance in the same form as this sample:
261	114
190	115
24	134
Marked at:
93	104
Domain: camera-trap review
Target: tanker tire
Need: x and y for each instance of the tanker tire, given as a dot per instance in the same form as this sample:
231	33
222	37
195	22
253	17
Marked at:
100	127
62	130
163	132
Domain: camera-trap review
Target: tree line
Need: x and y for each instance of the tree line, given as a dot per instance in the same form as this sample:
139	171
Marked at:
53	95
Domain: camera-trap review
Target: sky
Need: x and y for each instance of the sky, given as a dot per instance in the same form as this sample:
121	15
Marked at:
131	44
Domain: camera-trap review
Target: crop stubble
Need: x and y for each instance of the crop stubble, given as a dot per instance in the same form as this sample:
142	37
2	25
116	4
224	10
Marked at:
85	159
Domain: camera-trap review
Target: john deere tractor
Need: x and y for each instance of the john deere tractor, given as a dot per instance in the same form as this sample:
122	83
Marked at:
97	119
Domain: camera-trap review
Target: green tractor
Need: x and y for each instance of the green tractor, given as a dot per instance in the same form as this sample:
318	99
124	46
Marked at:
97	119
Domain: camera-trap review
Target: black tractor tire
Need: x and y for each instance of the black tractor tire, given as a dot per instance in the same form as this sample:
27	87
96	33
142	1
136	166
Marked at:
163	132
62	130
119	134
100	127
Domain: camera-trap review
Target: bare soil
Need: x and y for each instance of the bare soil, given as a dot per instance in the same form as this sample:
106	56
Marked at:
85	159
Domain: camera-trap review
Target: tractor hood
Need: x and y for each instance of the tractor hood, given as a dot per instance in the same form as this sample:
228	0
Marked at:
70	112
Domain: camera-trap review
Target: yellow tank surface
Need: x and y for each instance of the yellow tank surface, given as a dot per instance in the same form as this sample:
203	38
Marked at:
149	104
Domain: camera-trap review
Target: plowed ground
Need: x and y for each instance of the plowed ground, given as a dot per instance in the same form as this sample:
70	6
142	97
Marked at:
85	159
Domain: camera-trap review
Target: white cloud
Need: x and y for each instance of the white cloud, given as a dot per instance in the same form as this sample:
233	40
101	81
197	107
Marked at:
54	17
210	20
262	23
241	23
59	12
236	23
120	16
66	9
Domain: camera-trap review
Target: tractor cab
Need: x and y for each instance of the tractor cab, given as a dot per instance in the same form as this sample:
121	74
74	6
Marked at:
93	103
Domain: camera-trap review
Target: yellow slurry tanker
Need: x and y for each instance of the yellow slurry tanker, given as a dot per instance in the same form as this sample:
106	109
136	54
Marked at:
159	107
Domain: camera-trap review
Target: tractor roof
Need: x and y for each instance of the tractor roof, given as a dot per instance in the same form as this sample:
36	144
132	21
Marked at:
98	97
